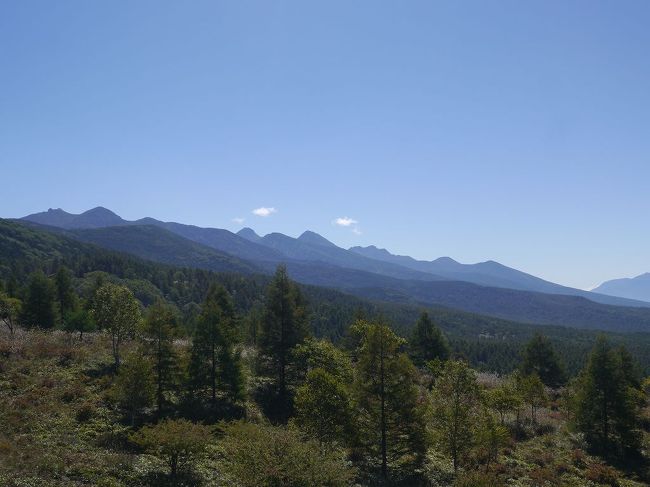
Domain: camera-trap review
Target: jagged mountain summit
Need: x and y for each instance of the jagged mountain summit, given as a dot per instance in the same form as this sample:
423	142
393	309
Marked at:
632	288
95	218
249	234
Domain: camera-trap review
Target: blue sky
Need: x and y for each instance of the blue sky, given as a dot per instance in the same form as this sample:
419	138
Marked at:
506	130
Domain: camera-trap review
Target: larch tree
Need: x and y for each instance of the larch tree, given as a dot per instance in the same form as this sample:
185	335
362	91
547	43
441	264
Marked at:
456	402
540	358
284	326
159	330
390	415
215	362
134	387
428	342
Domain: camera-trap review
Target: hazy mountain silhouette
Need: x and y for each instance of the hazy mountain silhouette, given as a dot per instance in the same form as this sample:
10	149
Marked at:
631	288
311	247
488	273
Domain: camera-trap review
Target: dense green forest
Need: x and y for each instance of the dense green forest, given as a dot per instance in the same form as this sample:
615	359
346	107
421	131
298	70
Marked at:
98	387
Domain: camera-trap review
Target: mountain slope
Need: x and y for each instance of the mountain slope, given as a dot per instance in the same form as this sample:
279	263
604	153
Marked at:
160	245
493	274
311	247
219	239
631	288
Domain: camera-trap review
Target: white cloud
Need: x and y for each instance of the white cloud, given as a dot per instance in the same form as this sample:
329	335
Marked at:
345	221
239	220
264	211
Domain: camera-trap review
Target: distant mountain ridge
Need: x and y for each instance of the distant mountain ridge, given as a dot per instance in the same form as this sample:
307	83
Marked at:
311	251
489	273
272	248
631	288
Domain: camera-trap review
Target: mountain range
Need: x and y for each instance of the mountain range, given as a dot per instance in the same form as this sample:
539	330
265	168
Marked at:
488	288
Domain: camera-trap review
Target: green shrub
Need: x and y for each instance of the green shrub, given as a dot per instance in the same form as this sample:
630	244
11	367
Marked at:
266	456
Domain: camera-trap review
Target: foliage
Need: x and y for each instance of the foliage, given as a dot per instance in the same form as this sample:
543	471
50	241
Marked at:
504	399
39	307
116	310
428	342
178	441
134	388
540	358
79	321
606	409
215	361
455	401
159	330
324	408
10	310
284	326
66	297
322	354
531	389
269	456
390	415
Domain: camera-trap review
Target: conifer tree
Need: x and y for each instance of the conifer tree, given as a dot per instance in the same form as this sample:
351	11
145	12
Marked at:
39	307
215	362
159	330
390	416
540	358
66	297
134	387
456	402
606	405
284	326
428	342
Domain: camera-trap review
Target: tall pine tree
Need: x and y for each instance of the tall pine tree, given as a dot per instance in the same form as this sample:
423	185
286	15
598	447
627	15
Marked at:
390	417
284	326
428	343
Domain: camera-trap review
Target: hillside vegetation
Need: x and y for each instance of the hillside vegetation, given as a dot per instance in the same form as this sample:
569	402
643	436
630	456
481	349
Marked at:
100	390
